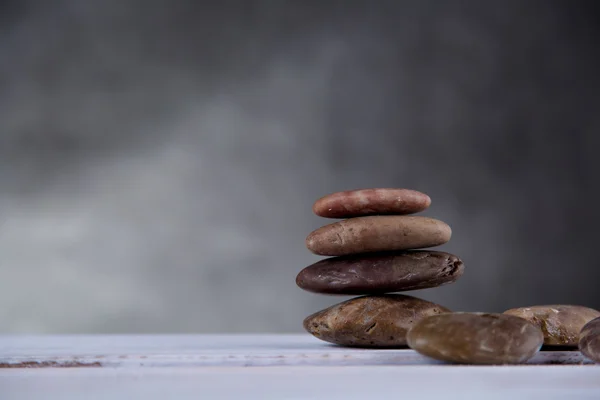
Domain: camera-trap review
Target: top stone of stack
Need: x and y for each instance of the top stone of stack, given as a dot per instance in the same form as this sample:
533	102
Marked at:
365	202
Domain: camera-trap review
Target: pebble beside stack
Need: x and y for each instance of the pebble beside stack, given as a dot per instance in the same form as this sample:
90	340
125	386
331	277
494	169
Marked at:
376	250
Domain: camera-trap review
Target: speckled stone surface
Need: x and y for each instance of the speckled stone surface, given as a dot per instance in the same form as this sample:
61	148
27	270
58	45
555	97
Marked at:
476	338
379	273
589	340
376	234
356	203
370	321
560	324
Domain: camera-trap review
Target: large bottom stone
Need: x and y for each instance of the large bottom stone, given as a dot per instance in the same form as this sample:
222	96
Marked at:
476	338
589	342
371	321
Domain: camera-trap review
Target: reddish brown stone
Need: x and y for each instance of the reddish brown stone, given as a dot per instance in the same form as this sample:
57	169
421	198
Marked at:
589	342
560	324
476	338
370	321
356	203
376	234
380	273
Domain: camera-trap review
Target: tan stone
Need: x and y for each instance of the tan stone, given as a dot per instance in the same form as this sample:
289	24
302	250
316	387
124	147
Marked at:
560	324
377	233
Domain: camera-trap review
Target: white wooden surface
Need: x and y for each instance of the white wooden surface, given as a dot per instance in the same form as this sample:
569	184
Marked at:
265	367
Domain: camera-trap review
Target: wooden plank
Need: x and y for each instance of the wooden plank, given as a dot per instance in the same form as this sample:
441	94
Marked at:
268	367
212	350
347	383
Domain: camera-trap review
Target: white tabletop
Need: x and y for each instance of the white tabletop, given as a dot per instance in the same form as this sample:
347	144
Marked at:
267	366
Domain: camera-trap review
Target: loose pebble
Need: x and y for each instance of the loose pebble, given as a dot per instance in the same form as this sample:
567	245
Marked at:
380	273
377	234
560	324
370	321
357	203
476	338
589	342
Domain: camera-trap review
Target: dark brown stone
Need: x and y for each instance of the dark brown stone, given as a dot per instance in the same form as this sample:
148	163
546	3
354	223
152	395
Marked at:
589	340
476	338
560	324
370	321
377	234
380	273
357	203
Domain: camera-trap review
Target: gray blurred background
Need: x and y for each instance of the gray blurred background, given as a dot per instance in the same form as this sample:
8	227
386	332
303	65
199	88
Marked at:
159	159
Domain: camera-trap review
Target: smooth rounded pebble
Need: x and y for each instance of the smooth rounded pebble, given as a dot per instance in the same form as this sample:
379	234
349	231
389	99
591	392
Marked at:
589	342
560	324
379	273
377	233
476	338
357	203
370	321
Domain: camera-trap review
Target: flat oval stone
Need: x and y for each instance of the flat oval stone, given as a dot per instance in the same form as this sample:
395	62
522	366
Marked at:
377	233
560	324
379	273
370	321
476	338
357	203
589	342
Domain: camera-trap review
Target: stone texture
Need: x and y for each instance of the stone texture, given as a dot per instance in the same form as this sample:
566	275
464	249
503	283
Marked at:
476	338
589	342
357	203
377	234
560	324
379	273
370	321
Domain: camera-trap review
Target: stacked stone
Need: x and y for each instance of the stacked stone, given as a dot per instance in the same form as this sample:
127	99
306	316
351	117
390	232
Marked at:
375	251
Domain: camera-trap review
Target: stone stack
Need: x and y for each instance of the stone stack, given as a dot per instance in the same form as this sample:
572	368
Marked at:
376	249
